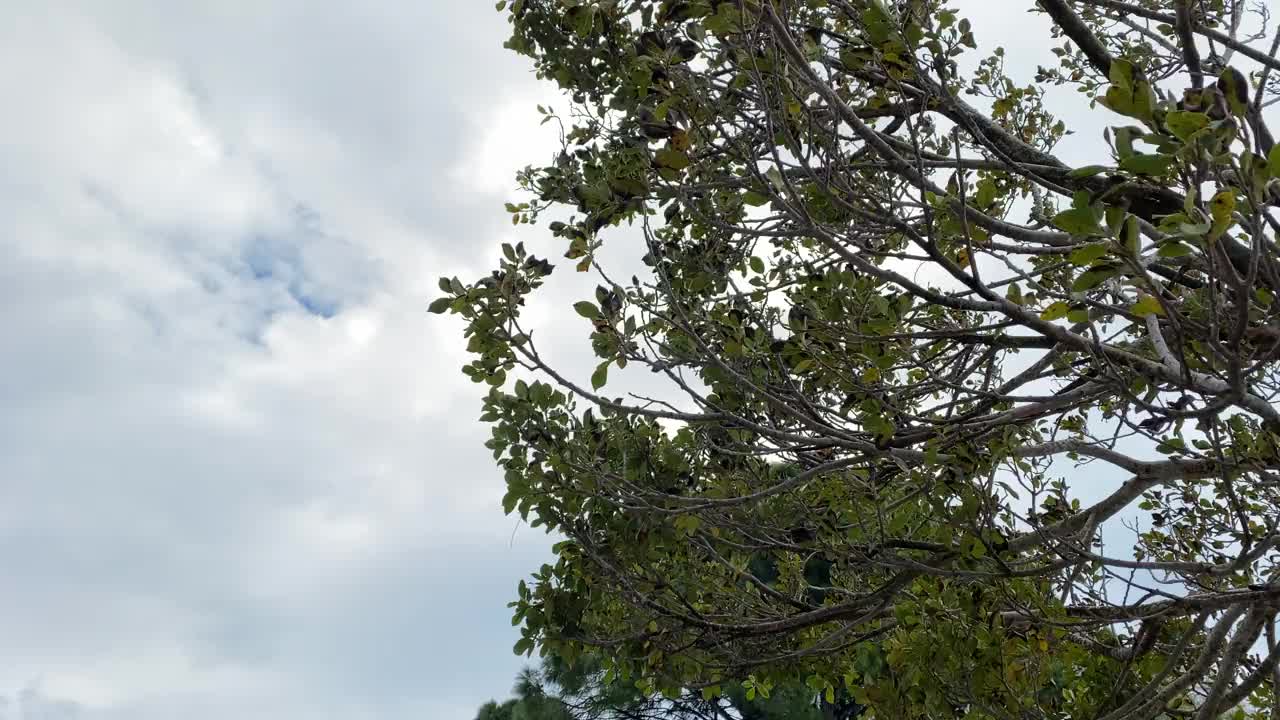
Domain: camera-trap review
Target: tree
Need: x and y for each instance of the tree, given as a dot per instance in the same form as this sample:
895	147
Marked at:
559	690
905	345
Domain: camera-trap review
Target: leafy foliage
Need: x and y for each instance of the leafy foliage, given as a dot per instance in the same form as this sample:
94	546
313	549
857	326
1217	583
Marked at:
578	691
893	325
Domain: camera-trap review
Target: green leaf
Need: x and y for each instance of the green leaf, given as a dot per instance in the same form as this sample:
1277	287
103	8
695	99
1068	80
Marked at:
1121	74
987	193
1115	216
1147	305
977	550
600	376
1258	168
1124	140
1088	254
687	524
854	58
440	305
1093	278
1273	161
1236	89
757	265
628	186
1135	99
1144	101
1056	311
583	20
775	177
1130	237
754	199
877	22
1087	171
1117	100
587	310
1078	221
1174	249
1184	124
1157	164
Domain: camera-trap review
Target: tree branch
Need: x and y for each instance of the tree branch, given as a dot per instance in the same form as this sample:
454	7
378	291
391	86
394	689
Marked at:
1080	34
1187	38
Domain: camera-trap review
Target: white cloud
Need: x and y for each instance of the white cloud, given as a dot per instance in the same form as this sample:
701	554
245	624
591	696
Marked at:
235	445
505	137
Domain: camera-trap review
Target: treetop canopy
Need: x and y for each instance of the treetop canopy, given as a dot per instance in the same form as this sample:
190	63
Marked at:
906	343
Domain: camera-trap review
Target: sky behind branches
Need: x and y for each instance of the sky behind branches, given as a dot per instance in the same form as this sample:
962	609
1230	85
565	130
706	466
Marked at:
240	473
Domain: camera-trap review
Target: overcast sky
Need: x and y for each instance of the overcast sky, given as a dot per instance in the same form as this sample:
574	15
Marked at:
240	473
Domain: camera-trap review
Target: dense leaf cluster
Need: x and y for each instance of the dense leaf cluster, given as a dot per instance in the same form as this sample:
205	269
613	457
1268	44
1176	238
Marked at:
559	690
906	347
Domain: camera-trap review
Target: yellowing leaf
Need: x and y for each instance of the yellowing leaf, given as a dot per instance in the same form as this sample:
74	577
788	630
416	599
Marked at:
1221	208
1147	305
1185	124
1056	311
670	158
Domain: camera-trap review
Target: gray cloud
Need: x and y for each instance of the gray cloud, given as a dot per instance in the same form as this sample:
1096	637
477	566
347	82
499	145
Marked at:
240	476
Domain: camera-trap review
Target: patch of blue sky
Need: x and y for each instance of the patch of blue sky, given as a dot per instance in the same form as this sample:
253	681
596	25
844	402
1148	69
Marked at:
280	260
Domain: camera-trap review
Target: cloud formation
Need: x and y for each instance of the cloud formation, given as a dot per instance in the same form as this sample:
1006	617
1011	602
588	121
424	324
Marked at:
241	472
